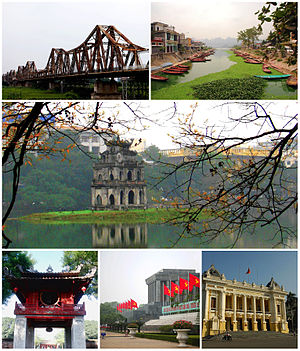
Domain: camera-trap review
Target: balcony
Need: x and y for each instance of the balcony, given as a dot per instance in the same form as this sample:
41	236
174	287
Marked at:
64	309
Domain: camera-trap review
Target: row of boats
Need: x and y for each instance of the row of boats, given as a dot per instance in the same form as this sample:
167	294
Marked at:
291	80
182	68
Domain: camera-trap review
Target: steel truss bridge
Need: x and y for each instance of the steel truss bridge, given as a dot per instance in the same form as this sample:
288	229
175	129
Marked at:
106	53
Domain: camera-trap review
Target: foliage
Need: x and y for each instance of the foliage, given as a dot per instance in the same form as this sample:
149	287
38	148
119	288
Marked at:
249	36
91	329
231	89
292	311
11	260
109	314
252	187
167	329
8	325
132	325
88	260
182	324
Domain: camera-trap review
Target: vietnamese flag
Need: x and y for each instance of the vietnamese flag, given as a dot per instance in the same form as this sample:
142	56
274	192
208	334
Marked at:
248	271
133	304
129	305
183	284
194	281
167	291
174	289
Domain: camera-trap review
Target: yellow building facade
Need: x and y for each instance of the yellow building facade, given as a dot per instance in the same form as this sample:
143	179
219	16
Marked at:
229	305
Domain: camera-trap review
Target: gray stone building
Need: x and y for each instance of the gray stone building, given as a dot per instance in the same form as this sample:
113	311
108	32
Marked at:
118	179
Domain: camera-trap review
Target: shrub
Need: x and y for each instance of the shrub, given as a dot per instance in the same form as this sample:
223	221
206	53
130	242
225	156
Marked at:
192	340
168	329
132	325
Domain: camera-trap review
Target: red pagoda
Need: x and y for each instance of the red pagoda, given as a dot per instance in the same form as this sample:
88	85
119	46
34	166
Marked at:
49	300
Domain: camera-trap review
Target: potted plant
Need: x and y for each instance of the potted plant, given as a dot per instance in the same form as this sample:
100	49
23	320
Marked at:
182	328
133	328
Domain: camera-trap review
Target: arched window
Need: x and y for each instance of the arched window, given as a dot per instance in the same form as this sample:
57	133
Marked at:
121	197
111	200
131	234
138	176
129	175
111	176
112	232
98	200
100	177
141	196
121	175
131	197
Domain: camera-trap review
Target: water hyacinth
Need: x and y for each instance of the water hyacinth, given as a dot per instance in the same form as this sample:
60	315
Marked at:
182	325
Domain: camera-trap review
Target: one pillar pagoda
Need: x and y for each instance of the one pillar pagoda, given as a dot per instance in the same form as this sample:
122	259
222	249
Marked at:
49	300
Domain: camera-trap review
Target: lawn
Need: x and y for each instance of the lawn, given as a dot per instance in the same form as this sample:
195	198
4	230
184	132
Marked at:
22	93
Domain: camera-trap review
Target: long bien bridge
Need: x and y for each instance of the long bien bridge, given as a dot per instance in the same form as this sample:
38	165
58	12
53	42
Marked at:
106	53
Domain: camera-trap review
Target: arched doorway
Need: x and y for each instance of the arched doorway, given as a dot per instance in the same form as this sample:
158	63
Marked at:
111	176
141	196
131	197
98	200
111	200
121	197
138	176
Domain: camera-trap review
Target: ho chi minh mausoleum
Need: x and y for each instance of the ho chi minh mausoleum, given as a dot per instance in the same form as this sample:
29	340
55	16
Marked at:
49	300
118	179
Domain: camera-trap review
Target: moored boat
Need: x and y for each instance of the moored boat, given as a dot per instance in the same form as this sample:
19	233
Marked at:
266	69
292	81
172	72
275	76
156	77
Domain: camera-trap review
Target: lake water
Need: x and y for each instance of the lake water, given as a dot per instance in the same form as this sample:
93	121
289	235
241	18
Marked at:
27	235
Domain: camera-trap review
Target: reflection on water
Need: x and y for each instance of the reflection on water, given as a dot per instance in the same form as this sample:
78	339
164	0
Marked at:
28	235
120	235
279	88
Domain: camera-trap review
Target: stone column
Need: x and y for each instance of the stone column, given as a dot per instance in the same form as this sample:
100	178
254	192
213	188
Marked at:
245	322
254	314
264	324
77	333
234	322
106	90
68	344
223	305
20	332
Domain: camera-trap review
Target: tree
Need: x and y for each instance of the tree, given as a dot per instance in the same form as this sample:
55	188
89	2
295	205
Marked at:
292	312
251	187
8	325
284	17
249	36
11	260
88	260
36	129
91	329
109	314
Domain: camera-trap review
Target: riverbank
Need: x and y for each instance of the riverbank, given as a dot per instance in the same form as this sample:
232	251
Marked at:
150	215
185	91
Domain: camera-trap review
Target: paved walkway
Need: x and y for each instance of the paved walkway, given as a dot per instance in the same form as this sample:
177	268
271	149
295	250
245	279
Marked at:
119	341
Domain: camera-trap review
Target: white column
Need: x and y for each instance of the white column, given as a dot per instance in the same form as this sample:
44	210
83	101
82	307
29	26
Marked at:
254	308
263	309
245	308
234	307
20	332
207	305
77	333
223	299
283	311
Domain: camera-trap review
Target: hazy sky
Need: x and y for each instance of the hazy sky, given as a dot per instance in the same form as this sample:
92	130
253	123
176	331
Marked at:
123	273
281	265
208	19
31	29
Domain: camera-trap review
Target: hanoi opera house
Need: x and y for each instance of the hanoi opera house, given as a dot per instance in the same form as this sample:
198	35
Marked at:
232	305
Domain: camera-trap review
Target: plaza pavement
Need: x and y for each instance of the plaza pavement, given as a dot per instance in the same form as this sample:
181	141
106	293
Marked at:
120	341
268	340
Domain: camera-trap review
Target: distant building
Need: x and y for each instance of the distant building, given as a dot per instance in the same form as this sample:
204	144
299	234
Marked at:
232	305
118	178
164	38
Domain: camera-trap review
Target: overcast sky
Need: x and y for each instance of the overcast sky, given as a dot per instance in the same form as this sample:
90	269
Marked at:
208	19
123	273
31	29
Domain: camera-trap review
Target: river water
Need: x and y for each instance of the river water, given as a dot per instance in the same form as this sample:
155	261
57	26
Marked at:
27	235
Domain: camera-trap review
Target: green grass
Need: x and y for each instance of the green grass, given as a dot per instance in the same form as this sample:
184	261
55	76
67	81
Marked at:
13	93
151	215
184	91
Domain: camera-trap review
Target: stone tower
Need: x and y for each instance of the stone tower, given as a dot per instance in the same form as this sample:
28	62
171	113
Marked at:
118	179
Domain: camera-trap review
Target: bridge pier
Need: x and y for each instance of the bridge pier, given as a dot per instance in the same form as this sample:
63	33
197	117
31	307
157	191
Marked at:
106	90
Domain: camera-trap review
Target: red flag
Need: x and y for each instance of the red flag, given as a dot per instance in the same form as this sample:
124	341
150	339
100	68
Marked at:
248	271
133	304
129	305
174	289
194	281
167	291
118	307
183	284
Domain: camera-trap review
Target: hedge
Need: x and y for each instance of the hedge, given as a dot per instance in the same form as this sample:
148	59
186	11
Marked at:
193	340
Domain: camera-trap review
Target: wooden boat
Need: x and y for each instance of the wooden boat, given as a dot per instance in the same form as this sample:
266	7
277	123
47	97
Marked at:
266	69
156	77
275	76
292	81
252	61
198	60
179	68
172	72
183	66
